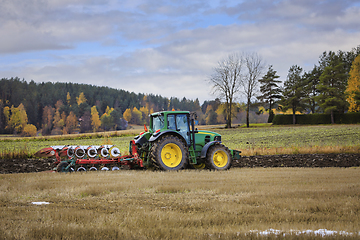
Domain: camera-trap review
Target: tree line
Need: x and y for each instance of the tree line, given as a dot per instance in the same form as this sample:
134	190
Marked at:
332	86
29	108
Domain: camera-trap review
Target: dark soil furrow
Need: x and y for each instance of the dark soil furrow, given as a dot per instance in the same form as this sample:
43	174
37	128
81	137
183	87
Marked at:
299	160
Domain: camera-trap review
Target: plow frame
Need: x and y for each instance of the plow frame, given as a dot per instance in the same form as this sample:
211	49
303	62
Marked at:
133	160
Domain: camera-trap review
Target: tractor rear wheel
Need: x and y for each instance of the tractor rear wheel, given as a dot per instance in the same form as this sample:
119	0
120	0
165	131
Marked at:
169	153
218	158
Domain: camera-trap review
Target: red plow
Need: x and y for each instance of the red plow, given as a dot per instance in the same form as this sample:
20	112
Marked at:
92	158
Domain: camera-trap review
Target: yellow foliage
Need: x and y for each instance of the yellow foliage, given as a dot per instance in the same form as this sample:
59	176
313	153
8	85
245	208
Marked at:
71	122
16	118
29	130
136	116
108	110
68	98
81	99
127	114
95	119
353	85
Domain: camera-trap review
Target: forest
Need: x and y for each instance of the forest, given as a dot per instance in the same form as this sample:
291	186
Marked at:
64	108
30	108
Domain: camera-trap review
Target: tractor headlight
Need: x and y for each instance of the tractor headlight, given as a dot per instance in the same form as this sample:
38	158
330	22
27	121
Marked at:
217	138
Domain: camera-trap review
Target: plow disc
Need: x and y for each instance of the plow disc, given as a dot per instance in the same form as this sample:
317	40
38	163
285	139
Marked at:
90	158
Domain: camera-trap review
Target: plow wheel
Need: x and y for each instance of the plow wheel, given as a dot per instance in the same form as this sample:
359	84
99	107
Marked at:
218	158
169	153
61	167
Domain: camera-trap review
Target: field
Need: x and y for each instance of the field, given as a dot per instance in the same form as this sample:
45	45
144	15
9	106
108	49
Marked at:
265	203
251	141
181	205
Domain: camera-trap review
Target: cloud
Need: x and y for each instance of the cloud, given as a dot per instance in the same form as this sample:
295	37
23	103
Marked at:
166	47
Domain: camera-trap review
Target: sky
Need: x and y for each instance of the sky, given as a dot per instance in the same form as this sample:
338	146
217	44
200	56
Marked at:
171	47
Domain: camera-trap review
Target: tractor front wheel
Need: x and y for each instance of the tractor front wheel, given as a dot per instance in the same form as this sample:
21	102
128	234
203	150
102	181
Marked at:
169	153
218	158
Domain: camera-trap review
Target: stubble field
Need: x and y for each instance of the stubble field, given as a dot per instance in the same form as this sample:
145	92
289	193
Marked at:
252	202
235	204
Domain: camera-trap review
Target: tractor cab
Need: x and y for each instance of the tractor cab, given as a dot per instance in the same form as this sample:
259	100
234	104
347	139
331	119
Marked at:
171	121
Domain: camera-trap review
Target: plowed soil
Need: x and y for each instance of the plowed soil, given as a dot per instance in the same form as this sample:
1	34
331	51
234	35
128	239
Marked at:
299	160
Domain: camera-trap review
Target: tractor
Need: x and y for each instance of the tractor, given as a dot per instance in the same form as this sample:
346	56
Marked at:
171	143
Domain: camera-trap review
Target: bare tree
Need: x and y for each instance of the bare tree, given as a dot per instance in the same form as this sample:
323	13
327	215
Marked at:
254	66
226	81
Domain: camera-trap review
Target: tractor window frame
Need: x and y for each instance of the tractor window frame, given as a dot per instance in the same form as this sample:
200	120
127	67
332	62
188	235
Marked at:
158	122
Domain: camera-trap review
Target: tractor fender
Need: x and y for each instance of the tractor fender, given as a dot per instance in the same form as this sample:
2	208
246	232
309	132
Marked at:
155	136
205	149
140	139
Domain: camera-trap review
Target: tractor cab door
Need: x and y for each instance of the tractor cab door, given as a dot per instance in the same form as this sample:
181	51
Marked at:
180	123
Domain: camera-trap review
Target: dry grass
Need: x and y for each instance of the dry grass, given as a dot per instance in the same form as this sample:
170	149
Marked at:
179	205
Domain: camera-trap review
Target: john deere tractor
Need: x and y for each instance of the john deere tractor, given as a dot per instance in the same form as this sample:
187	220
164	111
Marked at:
172	143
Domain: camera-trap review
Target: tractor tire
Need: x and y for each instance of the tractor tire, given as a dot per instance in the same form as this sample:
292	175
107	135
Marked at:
218	158
169	153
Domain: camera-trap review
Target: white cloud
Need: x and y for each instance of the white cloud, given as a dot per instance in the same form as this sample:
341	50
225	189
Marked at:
165	48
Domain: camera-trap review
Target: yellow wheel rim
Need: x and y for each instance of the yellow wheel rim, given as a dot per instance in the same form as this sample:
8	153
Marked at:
171	155
220	158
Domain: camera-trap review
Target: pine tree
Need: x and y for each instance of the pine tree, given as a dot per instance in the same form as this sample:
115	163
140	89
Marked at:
332	86
353	86
293	93
270	90
312	80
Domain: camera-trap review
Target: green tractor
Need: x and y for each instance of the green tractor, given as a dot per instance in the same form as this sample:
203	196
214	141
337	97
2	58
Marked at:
173	143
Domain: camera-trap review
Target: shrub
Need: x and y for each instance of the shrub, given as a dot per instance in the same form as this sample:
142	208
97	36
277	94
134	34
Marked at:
29	130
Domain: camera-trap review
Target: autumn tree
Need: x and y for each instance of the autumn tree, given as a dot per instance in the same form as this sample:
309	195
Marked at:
226	81
107	121
2	117
6	112
81	99
145	115
127	114
332	86
17	118
95	119
29	130
57	123
270	90
48	115
71	123
68	99
136	116
293	92
353	86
